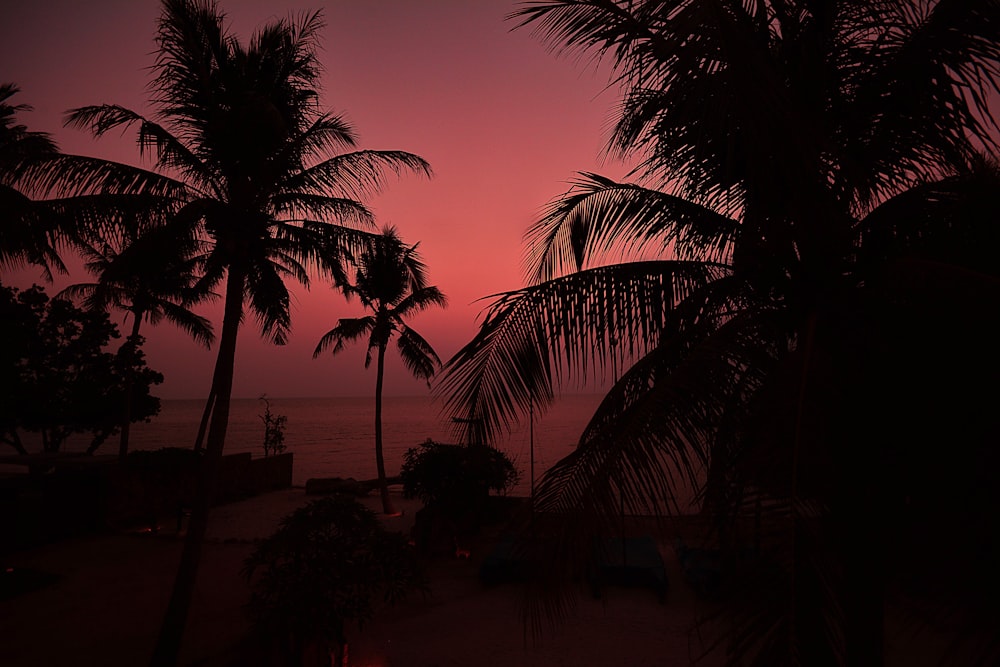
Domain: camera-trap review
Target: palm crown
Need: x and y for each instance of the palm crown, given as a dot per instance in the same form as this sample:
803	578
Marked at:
390	280
807	171
151	277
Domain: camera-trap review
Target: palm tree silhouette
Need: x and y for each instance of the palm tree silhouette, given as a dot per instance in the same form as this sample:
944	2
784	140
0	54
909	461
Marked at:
53	201
809	181
152	278
250	160
25	236
390	281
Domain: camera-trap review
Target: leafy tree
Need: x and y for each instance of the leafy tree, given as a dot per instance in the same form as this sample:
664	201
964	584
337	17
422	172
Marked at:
58	380
390	282
325	568
801	262
150	276
249	162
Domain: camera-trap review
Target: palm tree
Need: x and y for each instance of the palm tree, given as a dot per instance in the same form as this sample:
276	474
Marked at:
809	189
390	282
240	143
152	278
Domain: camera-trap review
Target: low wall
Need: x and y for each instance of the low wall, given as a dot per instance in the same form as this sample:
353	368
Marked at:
78	499
241	476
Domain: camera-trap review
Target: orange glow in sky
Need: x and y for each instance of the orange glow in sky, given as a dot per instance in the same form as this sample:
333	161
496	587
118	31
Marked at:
504	124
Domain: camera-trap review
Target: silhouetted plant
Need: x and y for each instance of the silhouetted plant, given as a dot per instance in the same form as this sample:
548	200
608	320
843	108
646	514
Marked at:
25	235
390	281
329	565
456	478
274	429
150	276
809	190
58	380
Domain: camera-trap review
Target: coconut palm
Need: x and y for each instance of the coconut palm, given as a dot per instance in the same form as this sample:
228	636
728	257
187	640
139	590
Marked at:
809	188
151	277
390	281
239	140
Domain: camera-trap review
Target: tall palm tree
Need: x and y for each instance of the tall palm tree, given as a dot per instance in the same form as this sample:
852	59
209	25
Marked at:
390	281
240	142
810	187
151	277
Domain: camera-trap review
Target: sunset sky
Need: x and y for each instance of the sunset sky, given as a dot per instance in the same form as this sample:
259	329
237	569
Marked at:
504	124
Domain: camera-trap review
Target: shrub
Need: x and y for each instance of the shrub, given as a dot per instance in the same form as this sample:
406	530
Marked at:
326	566
274	429
455	478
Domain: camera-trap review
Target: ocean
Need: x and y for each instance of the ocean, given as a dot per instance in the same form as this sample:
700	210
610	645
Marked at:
335	437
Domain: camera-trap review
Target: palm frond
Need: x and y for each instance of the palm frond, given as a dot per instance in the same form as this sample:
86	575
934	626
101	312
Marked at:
418	301
29	233
598	216
71	175
530	335
270	301
921	83
303	205
327	134
417	354
169	152
947	221
347	330
355	175
194	325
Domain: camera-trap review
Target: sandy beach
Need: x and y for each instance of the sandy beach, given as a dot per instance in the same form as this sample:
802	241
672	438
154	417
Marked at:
107	595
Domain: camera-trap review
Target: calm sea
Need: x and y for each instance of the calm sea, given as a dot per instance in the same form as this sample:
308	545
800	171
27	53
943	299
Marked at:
335	437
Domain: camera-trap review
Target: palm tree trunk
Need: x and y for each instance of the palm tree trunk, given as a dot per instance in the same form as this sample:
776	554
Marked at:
383	484
168	643
133	341
203	426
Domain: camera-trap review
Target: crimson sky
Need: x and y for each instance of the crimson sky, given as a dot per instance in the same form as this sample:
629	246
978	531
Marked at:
503	122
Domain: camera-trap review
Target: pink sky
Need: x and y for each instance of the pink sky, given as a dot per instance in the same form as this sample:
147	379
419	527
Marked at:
504	124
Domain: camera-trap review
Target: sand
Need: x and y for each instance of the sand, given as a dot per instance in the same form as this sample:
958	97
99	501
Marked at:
106	602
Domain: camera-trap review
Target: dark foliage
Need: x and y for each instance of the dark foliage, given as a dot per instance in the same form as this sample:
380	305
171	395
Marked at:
455	478
800	291
58	380
330	564
274	429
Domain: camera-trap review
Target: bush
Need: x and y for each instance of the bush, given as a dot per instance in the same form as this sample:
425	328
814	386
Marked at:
455	478
327	565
